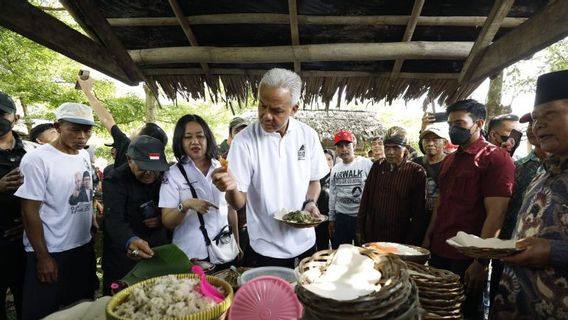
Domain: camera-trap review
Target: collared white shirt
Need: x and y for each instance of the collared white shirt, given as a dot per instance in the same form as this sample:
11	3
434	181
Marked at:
187	235
275	172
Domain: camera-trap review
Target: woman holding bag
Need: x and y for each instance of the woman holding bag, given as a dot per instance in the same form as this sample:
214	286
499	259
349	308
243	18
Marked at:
191	205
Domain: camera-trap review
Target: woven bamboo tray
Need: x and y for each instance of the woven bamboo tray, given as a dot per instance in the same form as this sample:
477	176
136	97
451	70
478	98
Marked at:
396	291
218	312
485	253
441	292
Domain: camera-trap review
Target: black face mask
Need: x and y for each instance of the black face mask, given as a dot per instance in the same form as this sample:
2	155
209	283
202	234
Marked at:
5	126
460	136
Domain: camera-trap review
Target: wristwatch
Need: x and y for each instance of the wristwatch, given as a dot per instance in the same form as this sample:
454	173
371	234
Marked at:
181	208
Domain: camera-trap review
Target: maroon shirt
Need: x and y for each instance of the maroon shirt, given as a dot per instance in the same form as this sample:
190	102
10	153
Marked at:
467	176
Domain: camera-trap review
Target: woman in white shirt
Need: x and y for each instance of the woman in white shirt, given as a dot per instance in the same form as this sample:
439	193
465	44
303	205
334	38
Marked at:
195	149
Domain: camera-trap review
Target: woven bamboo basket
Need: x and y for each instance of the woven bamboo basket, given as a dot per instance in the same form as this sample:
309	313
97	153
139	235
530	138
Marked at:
218	312
396	291
485	253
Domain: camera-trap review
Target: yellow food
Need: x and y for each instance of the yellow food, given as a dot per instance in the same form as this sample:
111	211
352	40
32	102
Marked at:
224	162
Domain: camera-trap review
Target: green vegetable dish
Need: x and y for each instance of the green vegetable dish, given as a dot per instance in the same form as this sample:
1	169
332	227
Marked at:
298	217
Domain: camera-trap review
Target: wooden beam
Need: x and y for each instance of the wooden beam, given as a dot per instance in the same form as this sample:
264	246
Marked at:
295	34
187	29
305	53
410	27
498	12
543	29
44	29
305	73
273	18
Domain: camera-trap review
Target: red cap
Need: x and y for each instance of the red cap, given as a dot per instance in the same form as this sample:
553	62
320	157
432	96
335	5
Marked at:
343	135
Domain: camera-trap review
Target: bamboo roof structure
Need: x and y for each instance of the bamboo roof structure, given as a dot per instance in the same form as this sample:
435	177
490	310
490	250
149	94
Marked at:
362	49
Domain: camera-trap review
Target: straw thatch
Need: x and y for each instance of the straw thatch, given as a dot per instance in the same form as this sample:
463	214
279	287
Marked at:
363	124
365	50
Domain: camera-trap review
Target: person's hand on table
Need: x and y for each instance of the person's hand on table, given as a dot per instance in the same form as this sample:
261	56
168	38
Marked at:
535	254
139	249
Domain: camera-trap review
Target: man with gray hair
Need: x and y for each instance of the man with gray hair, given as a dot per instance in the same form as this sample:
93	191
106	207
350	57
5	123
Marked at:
275	163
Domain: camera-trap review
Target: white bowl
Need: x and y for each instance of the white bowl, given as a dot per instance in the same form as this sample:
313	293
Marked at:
280	272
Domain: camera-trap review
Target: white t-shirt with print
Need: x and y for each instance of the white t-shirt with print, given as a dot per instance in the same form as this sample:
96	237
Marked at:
56	179
275	172
346	183
187	235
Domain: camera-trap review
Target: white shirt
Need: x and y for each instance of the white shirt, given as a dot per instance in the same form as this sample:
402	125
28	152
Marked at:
187	235
346	183
55	178
275	172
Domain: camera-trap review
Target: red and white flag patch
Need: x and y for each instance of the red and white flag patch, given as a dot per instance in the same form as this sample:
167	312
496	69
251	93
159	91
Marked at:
154	156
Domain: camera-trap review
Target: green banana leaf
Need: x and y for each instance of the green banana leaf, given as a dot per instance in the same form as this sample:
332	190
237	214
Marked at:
167	259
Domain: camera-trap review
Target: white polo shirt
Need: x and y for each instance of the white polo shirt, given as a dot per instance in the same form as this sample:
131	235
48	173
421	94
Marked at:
187	235
275	172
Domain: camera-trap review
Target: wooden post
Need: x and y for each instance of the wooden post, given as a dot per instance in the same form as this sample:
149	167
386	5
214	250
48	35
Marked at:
447	50
151	105
275	18
540	31
187	30
293	12
410	27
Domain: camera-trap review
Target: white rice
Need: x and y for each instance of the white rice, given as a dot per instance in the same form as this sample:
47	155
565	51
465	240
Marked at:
168	297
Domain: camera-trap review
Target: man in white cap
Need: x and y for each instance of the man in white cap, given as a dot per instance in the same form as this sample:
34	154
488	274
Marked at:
60	260
432	142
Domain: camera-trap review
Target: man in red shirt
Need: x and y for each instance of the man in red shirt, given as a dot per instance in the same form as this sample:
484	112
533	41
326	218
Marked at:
476	184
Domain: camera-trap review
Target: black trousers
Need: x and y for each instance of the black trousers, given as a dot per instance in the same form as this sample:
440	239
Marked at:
76	280
12	270
259	260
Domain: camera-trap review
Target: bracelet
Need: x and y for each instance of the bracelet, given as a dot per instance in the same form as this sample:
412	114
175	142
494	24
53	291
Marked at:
306	203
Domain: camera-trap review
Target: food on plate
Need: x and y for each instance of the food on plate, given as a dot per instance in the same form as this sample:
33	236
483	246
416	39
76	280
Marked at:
167	297
299	217
394	248
350	275
224	162
385	249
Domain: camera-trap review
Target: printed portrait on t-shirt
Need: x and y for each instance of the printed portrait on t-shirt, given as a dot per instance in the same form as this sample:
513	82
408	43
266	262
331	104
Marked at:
80	199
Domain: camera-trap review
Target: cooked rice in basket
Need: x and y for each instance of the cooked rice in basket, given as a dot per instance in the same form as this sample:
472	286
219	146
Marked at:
167	297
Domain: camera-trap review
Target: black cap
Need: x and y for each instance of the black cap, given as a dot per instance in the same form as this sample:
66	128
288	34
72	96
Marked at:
6	103
148	153
551	86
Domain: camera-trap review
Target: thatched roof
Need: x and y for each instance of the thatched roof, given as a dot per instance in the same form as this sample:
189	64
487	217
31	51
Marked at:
363	124
375	50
